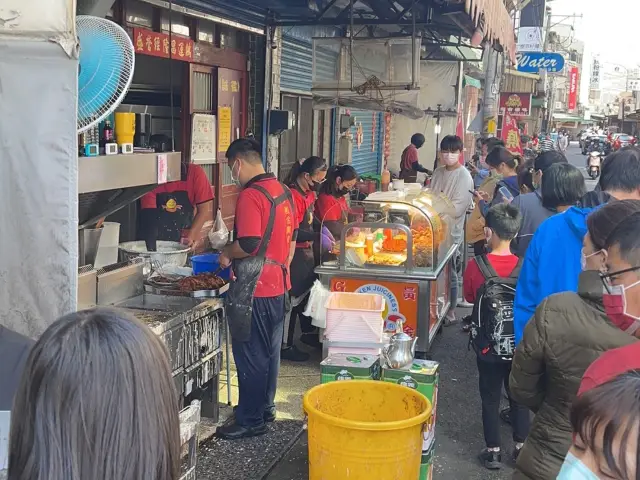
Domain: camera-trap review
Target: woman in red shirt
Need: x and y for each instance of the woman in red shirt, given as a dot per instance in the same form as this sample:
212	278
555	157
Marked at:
331	206
304	180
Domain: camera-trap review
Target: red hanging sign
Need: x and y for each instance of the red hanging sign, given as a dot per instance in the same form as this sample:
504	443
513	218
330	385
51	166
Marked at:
511	134
573	88
515	104
158	44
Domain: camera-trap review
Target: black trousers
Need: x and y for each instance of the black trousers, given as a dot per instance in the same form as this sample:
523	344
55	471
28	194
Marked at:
491	377
305	322
258	361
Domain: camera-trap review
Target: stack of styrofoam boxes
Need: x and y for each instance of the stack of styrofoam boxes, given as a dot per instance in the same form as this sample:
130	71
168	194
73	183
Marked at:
354	323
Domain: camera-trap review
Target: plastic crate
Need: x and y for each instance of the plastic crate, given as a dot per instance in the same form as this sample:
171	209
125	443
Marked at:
209	263
353	348
189	423
202	382
203	336
354	317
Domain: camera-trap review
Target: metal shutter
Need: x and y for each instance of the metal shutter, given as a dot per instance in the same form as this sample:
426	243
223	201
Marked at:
296	68
368	157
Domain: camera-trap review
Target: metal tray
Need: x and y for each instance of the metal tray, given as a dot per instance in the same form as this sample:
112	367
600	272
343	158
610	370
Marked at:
178	293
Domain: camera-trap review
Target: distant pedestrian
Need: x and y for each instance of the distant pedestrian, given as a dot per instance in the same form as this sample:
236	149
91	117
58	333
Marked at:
563	142
546	143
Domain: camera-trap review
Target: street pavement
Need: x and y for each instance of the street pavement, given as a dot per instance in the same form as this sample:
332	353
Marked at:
576	159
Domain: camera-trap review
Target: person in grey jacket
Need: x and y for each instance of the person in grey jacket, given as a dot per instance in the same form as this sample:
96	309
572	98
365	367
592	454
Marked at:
530	204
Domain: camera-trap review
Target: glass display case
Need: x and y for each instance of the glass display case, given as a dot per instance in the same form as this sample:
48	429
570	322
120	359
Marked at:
396	244
399	230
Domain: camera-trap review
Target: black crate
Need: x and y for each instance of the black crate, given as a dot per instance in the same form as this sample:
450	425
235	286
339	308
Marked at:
174	340
203	335
178	379
202	382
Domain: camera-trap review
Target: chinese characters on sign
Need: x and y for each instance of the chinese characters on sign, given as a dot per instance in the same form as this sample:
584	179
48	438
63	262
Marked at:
515	104
530	39
511	134
573	88
203	138
157	44
224	128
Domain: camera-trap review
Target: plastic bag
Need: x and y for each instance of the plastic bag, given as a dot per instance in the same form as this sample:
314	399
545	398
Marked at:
316	306
219	234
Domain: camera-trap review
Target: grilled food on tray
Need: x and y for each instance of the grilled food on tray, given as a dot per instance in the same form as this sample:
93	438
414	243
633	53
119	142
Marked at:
202	281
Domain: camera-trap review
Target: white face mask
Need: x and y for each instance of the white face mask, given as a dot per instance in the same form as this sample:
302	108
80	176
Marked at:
450	159
236	179
583	258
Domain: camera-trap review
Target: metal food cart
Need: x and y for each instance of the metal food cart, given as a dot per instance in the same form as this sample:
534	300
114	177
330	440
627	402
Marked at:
398	244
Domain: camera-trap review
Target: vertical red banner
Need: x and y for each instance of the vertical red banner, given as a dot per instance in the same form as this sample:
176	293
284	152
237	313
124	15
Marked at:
573	88
511	134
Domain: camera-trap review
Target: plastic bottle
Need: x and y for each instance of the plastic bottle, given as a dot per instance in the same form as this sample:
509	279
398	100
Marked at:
385	180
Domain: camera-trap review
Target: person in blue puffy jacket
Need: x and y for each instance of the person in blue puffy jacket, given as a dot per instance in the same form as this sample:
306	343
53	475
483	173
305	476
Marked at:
552	263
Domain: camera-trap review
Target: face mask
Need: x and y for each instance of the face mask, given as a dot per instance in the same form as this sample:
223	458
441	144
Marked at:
236	179
313	186
574	469
450	159
583	258
615	306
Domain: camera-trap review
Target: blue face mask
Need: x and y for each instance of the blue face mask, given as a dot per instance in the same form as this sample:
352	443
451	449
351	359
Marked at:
574	469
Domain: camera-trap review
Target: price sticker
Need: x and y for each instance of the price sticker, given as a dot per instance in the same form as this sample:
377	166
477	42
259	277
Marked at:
162	168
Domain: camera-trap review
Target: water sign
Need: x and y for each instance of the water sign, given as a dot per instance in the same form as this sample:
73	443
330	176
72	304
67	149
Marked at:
533	62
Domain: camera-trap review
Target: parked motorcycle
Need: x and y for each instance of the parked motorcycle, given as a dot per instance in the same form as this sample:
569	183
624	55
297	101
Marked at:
595	160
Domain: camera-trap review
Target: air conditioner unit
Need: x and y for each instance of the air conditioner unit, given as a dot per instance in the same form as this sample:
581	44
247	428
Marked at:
559	105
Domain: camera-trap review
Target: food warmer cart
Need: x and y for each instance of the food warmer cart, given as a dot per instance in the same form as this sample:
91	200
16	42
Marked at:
398	244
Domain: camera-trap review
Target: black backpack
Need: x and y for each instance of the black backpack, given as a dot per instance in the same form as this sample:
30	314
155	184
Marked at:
491	333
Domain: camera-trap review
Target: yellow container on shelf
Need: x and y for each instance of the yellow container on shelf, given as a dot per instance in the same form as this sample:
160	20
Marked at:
125	127
365	430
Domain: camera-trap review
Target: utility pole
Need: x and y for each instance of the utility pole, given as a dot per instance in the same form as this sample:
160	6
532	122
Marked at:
491	92
547	78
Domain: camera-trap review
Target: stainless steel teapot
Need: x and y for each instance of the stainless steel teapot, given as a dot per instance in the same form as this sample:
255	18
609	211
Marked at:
401	349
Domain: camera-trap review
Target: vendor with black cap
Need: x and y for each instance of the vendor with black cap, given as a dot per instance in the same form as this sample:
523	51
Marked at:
177	211
256	303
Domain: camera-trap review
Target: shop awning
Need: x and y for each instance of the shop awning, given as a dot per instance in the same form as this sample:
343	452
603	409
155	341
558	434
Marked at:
472	82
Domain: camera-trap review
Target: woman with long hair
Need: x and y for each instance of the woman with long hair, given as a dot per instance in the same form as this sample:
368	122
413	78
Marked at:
96	402
567	333
331	208
305	179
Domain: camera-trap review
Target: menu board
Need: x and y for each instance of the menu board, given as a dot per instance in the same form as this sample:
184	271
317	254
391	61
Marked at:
203	138
5	418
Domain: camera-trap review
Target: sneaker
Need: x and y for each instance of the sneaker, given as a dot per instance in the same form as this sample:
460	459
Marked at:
505	415
293	354
490	460
516	452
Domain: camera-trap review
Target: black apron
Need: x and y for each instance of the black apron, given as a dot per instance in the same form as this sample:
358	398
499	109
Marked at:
239	299
303	264
175	214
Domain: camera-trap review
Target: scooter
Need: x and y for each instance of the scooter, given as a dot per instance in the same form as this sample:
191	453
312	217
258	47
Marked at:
593	167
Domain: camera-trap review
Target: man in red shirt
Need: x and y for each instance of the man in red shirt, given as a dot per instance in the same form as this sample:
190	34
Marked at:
177	211
409	162
265	232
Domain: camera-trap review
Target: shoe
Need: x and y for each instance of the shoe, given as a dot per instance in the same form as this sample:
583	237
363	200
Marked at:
236	432
450	319
505	415
293	354
490	460
311	339
269	416
516	452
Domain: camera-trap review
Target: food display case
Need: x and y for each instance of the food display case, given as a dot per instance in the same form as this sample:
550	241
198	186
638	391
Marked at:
397	244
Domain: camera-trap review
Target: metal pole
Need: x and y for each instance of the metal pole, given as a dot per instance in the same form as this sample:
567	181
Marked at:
465	259
490	97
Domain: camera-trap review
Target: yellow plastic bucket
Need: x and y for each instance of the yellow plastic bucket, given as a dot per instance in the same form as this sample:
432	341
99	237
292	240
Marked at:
365	430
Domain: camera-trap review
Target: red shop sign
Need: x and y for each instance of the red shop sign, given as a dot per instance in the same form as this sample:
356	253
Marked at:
573	88
515	104
158	44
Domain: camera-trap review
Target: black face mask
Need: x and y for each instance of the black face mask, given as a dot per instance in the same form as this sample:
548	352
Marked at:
344	191
315	187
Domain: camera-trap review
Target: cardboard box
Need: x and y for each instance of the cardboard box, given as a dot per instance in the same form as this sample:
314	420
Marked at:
421	375
344	366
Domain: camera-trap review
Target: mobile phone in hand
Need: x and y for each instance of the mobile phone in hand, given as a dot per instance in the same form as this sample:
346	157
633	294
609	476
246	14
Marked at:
506	194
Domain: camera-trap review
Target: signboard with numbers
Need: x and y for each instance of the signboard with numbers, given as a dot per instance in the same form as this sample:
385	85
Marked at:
156	44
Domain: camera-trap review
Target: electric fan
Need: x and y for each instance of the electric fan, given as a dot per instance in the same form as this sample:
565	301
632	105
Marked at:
107	60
